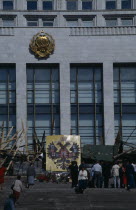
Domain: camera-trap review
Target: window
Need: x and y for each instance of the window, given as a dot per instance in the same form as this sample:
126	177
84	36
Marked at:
87	103
32	22
47	5
86	5
72	22
87	23
7	5
111	22
125	101
8	22
8	97
126	4
127	21
43	100
48	23
110	4
31	5
71	5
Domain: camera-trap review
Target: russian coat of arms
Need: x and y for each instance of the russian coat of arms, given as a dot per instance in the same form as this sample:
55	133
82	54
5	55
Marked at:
62	151
42	45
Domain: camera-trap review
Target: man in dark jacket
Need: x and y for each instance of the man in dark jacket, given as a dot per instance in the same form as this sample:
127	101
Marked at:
130	175
74	173
31	175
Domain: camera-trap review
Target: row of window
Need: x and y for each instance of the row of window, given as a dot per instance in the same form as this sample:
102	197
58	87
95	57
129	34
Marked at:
70	22
70	4
43	101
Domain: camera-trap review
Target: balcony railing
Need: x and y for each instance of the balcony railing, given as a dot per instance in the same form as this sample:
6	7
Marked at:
102	31
6	31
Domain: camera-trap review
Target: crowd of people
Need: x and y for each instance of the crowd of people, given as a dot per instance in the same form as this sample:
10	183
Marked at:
103	175
100	175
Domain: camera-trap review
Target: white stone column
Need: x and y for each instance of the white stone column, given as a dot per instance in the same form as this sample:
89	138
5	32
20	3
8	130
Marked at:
65	113
134	4
61	20
118	4
100	4
21	5
100	20
21	96
39	5
79	4
63	4
1	5
108	97
21	20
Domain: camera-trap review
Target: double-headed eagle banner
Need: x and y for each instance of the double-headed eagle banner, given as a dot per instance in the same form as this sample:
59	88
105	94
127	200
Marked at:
61	150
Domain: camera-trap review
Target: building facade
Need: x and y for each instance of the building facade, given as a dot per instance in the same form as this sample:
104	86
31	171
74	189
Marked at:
87	87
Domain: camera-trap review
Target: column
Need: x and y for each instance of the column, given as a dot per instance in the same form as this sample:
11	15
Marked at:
100	5
100	20
134	4
65	118
118	4
79	4
1	5
21	96
21	5
61	21
63	4
39	5
108	97
21	20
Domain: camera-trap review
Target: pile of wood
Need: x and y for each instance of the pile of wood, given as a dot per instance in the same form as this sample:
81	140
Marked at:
16	145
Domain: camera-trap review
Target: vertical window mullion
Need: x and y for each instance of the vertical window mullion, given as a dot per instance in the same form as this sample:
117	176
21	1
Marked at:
77	100
34	98
120	101
8	96
94	106
52	116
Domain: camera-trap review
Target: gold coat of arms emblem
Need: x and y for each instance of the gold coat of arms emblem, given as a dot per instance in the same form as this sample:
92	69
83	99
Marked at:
42	45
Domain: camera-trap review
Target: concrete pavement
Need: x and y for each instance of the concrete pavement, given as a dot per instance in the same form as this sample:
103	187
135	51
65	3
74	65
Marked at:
52	196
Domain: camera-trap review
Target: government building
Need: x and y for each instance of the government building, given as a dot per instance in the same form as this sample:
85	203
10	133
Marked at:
83	82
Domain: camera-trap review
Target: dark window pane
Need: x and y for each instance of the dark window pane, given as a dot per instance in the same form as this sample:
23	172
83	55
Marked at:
126	4
48	23
8	22
86	109
87	5
8	5
127	21
32	5
111	22
47	5
30	75
32	23
71	5
110	4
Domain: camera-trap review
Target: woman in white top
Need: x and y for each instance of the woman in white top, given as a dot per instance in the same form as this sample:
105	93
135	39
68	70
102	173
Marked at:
17	187
82	179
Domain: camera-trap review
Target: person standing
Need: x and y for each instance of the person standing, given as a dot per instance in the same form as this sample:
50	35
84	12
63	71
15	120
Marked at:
130	175
30	175
97	169
134	165
2	174
17	188
115	174
106	172
82	179
74	173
